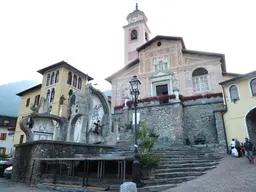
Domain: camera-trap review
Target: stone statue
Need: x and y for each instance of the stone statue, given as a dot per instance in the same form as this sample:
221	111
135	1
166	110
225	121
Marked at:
62	99
44	106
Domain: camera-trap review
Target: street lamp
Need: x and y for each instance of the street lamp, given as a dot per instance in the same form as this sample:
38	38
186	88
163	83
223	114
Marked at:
135	83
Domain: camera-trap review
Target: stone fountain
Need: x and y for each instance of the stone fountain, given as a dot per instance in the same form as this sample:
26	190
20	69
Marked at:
88	120
86	131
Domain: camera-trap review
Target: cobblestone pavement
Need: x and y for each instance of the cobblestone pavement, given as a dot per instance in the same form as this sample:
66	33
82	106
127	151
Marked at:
7	186
231	175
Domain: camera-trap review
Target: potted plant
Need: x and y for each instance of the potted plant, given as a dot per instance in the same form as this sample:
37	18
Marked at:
147	159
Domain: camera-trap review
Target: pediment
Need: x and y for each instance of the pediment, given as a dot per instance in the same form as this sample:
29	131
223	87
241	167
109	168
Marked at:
160	74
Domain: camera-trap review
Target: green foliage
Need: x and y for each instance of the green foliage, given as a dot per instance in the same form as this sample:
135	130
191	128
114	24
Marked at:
147	159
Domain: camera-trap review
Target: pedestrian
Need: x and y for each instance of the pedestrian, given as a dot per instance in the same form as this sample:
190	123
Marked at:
242	148
248	146
237	146
233	149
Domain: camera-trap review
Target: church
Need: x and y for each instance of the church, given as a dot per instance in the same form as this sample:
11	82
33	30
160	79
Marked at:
163	63
164	66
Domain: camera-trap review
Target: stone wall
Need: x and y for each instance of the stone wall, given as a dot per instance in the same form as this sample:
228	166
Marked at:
175	122
165	120
200	119
25	154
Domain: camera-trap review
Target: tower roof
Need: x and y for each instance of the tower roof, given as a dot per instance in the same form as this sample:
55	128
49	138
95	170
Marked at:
137	13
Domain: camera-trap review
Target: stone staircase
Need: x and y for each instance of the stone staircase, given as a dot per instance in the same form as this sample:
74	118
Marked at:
180	164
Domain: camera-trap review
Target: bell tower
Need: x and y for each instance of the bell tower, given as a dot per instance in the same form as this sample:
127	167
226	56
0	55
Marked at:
136	33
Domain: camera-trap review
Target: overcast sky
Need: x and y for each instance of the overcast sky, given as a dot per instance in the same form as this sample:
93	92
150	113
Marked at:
89	34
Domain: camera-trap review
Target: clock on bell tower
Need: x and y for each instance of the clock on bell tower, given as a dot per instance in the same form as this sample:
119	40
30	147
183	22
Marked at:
136	33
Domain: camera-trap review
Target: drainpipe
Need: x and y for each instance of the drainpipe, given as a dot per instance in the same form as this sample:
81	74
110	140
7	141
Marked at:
223	112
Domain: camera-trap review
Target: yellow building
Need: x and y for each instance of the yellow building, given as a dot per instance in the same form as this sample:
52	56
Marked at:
60	79
240	99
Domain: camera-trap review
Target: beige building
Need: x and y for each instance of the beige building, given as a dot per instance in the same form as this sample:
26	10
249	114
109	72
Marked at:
240	99
59	80
163	64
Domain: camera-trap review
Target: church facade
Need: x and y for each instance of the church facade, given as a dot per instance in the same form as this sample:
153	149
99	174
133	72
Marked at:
188	80
163	64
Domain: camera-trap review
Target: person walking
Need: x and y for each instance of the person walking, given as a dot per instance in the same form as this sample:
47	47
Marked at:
248	146
237	146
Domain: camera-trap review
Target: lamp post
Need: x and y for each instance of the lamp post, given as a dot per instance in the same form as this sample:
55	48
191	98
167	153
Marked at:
135	83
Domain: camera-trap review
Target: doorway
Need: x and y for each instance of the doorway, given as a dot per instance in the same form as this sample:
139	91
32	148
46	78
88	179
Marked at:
251	125
162	90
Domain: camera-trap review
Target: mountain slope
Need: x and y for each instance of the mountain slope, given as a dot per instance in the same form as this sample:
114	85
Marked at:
9	101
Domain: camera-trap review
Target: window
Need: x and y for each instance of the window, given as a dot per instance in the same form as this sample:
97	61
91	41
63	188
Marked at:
2	150
75	81
52	78
48	94
200	80
253	87
133	34
6	123
57	76
48	79
37	98
79	83
3	136
161	66
21	139
52	95
146	36
233	92
69	78
27	102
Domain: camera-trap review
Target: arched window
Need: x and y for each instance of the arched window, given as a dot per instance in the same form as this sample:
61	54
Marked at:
233	92
52	78
69	78
79	83
48	79
200	80
52	95
75	80
48	94
146	36
57	76
134	34
253	87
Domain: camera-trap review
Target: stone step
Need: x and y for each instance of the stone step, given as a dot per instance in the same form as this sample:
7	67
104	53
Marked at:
178	158
185	169
169	180
177	174
185	161
166	166
179	155
156	188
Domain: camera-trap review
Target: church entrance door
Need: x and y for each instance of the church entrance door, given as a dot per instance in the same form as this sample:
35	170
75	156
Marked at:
162	90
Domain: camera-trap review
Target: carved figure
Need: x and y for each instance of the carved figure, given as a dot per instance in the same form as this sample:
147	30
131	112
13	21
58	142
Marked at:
62	99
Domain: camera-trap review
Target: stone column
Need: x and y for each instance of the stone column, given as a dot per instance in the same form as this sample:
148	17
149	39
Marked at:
128	187
179	132
220	128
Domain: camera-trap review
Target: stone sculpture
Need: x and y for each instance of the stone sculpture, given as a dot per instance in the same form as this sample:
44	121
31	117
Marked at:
88	119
